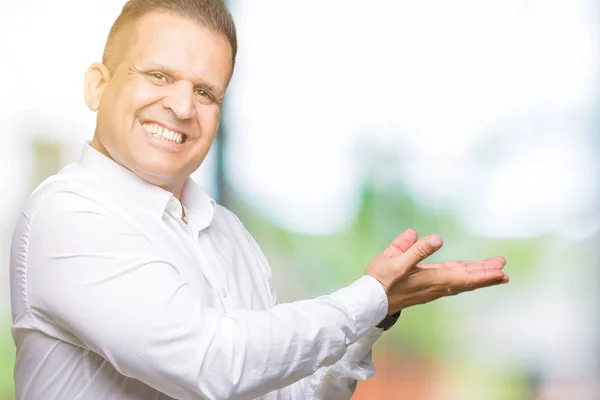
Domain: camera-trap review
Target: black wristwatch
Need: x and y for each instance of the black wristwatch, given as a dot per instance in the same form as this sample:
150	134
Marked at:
389	321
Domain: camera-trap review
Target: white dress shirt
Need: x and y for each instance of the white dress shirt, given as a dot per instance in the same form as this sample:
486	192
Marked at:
115	297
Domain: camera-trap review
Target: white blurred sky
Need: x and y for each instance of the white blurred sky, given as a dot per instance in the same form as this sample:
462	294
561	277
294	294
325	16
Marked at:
433	82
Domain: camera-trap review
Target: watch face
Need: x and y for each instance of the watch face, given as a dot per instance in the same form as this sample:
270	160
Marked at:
389	321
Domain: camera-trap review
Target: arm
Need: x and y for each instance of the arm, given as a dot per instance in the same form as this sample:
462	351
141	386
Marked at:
336	382
96	282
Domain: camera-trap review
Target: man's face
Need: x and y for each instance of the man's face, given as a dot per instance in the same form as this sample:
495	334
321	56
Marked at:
159	111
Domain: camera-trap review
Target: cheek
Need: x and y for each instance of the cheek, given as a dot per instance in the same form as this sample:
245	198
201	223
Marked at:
208	118
145	93
136	97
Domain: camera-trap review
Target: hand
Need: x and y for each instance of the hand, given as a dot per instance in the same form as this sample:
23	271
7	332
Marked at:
407	283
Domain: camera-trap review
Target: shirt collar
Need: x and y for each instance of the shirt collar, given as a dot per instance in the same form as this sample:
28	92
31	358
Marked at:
134	192
199	206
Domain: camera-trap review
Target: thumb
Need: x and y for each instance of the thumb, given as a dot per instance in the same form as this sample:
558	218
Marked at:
401	243
421	250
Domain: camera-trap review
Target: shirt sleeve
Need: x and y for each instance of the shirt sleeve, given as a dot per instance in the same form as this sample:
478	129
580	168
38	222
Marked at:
96	281
338	381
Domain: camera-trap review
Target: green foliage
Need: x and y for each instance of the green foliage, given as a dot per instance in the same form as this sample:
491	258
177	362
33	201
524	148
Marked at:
7	362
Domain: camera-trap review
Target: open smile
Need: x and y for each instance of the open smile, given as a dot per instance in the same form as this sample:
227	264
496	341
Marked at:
159	131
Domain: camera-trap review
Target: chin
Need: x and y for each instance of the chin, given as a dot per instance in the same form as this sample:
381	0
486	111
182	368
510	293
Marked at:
152	169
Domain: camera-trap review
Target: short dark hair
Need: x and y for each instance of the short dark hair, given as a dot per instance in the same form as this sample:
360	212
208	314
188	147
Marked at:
211	14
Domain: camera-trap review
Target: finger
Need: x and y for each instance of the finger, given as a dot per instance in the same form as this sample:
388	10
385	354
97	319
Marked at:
490	263
420	250
453	292
401	243
480	285
470	279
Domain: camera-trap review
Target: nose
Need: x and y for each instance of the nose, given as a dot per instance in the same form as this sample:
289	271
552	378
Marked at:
180	100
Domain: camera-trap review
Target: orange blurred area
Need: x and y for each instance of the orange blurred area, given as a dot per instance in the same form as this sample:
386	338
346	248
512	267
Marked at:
399	377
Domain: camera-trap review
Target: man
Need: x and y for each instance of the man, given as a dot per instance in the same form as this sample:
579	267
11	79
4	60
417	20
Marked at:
128	282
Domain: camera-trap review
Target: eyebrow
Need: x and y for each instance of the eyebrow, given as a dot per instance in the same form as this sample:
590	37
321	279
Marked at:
177	75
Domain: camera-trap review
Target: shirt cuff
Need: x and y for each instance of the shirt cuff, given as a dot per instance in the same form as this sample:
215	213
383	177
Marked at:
366	302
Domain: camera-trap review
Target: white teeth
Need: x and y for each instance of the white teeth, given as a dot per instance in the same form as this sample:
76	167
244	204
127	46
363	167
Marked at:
161	132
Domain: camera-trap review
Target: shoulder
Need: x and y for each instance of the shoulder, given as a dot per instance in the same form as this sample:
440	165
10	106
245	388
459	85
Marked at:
68	203
67	219
225	215
225	218
228	222
66	192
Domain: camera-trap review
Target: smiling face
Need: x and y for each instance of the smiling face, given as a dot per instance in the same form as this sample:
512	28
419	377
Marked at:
159	110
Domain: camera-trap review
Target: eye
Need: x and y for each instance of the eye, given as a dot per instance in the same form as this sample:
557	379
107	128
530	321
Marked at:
205	97
159	77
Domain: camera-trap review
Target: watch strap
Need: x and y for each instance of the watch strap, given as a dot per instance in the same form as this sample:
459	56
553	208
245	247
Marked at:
389	321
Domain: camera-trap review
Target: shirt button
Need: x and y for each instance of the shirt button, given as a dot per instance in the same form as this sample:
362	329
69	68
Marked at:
224	293
328	378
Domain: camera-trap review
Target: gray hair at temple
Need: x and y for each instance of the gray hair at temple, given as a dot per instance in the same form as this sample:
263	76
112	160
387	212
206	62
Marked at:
211	14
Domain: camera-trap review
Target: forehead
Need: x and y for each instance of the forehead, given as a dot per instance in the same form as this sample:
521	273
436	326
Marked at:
182	45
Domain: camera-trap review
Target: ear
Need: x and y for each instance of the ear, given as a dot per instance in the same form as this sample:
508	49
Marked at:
96	78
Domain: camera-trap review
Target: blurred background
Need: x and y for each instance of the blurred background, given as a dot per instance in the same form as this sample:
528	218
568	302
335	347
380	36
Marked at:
347	122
